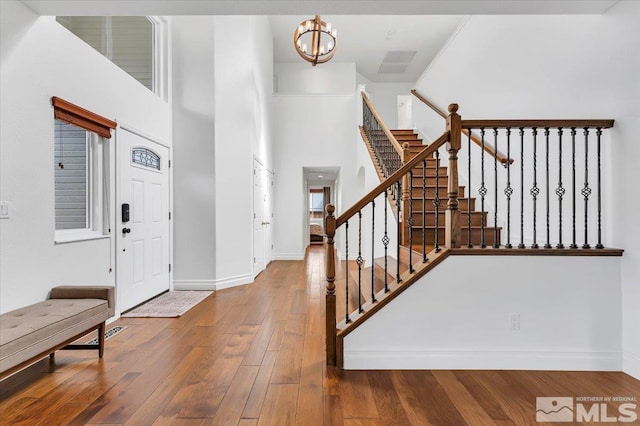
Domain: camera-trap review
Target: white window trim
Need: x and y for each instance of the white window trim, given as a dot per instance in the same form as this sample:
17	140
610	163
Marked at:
160	56
98	195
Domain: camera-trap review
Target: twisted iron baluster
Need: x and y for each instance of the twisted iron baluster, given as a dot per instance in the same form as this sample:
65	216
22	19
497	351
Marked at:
359	261
385	242
535	191
410	222
469	243
346	272
373	253
495	185
599	245
436	203
586	191
482	191
508	191
546	136
399	208
521	245
573	183
560	191
424	209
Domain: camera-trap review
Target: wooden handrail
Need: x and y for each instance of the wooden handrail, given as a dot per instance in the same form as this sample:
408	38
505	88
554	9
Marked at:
540	124
501	158
382	124
392	179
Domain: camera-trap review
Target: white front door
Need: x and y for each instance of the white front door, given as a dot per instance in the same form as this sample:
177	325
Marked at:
143	236
259	196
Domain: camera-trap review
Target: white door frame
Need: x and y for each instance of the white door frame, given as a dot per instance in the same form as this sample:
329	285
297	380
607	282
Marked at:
118	201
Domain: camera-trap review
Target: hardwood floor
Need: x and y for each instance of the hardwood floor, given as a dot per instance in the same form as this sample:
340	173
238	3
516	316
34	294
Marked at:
254	355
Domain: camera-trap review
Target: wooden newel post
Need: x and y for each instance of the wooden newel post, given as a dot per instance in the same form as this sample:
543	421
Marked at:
406	194
330	305
452	214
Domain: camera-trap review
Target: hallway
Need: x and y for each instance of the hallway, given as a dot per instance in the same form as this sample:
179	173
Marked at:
254	355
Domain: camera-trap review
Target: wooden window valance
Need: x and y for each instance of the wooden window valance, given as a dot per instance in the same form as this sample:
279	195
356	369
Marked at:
73	114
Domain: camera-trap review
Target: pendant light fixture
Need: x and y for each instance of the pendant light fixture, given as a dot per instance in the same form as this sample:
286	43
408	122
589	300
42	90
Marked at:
315	40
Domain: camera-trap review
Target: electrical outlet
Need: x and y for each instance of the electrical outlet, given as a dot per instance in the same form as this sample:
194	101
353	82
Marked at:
514	321
5	210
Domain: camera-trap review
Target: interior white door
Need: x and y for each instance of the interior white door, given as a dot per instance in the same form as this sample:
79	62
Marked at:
268	219
143	236
404	112
259	196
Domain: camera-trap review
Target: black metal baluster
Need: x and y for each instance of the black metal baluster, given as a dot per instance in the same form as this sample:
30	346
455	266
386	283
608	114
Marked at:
359	261
424	209
410	221
546	137
346	272
373	252
560	191
482	191
469	243
599	245
586	191
535	191
495	193
436	203
399	232
385	242
573	185
508	191
521	245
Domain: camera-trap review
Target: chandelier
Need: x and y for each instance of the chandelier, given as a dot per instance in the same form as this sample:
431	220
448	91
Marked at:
315	40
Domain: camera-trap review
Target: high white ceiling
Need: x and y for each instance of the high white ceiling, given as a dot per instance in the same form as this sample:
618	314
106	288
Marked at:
367	29
365	40
306	7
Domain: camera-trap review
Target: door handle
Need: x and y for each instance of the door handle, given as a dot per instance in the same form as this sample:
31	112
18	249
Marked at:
126	230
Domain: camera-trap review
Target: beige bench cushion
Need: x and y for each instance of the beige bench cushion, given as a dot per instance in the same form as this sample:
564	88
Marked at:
29	331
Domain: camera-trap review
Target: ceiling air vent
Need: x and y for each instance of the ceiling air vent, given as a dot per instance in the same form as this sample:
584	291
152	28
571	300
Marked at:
396	61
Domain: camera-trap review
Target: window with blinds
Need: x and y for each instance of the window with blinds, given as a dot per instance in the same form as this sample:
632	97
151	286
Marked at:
71	165
125	40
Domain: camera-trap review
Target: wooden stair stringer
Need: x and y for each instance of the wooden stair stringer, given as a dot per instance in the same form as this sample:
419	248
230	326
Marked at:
395	289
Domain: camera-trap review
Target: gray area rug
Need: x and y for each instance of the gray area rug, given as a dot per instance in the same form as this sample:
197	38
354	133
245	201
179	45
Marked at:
168	305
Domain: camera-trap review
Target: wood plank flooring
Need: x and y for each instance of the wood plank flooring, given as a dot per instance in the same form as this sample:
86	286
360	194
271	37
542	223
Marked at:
254	355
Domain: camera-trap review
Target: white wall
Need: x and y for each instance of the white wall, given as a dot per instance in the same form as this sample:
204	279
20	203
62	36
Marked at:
330	78
41	59
558	67
385	99
457	317
243	85
310	131
194	147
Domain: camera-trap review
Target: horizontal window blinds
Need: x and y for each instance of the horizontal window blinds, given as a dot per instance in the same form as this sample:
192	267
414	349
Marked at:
125	40
71	176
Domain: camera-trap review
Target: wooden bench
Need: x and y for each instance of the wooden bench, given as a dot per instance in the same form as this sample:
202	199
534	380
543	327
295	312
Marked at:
30	333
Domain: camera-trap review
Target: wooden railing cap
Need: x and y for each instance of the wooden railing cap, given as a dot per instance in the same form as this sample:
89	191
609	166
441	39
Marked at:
453	108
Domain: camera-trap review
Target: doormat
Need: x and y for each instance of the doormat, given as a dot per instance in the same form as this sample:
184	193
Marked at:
109	334
168	305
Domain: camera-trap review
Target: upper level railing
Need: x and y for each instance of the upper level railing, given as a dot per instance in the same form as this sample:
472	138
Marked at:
488	149
555	182
386	148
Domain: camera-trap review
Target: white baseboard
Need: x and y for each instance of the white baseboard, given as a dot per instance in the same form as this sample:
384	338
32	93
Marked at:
218	284
288	256
631	364
376	359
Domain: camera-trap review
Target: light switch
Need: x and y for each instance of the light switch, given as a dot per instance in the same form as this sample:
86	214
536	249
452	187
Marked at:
5	210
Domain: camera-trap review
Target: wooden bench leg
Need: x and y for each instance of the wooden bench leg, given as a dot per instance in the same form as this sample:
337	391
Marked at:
101	331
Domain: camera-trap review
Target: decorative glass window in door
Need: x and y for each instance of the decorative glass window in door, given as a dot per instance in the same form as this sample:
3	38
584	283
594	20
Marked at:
145	157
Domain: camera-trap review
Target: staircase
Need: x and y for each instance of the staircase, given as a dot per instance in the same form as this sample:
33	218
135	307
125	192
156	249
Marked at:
435	217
